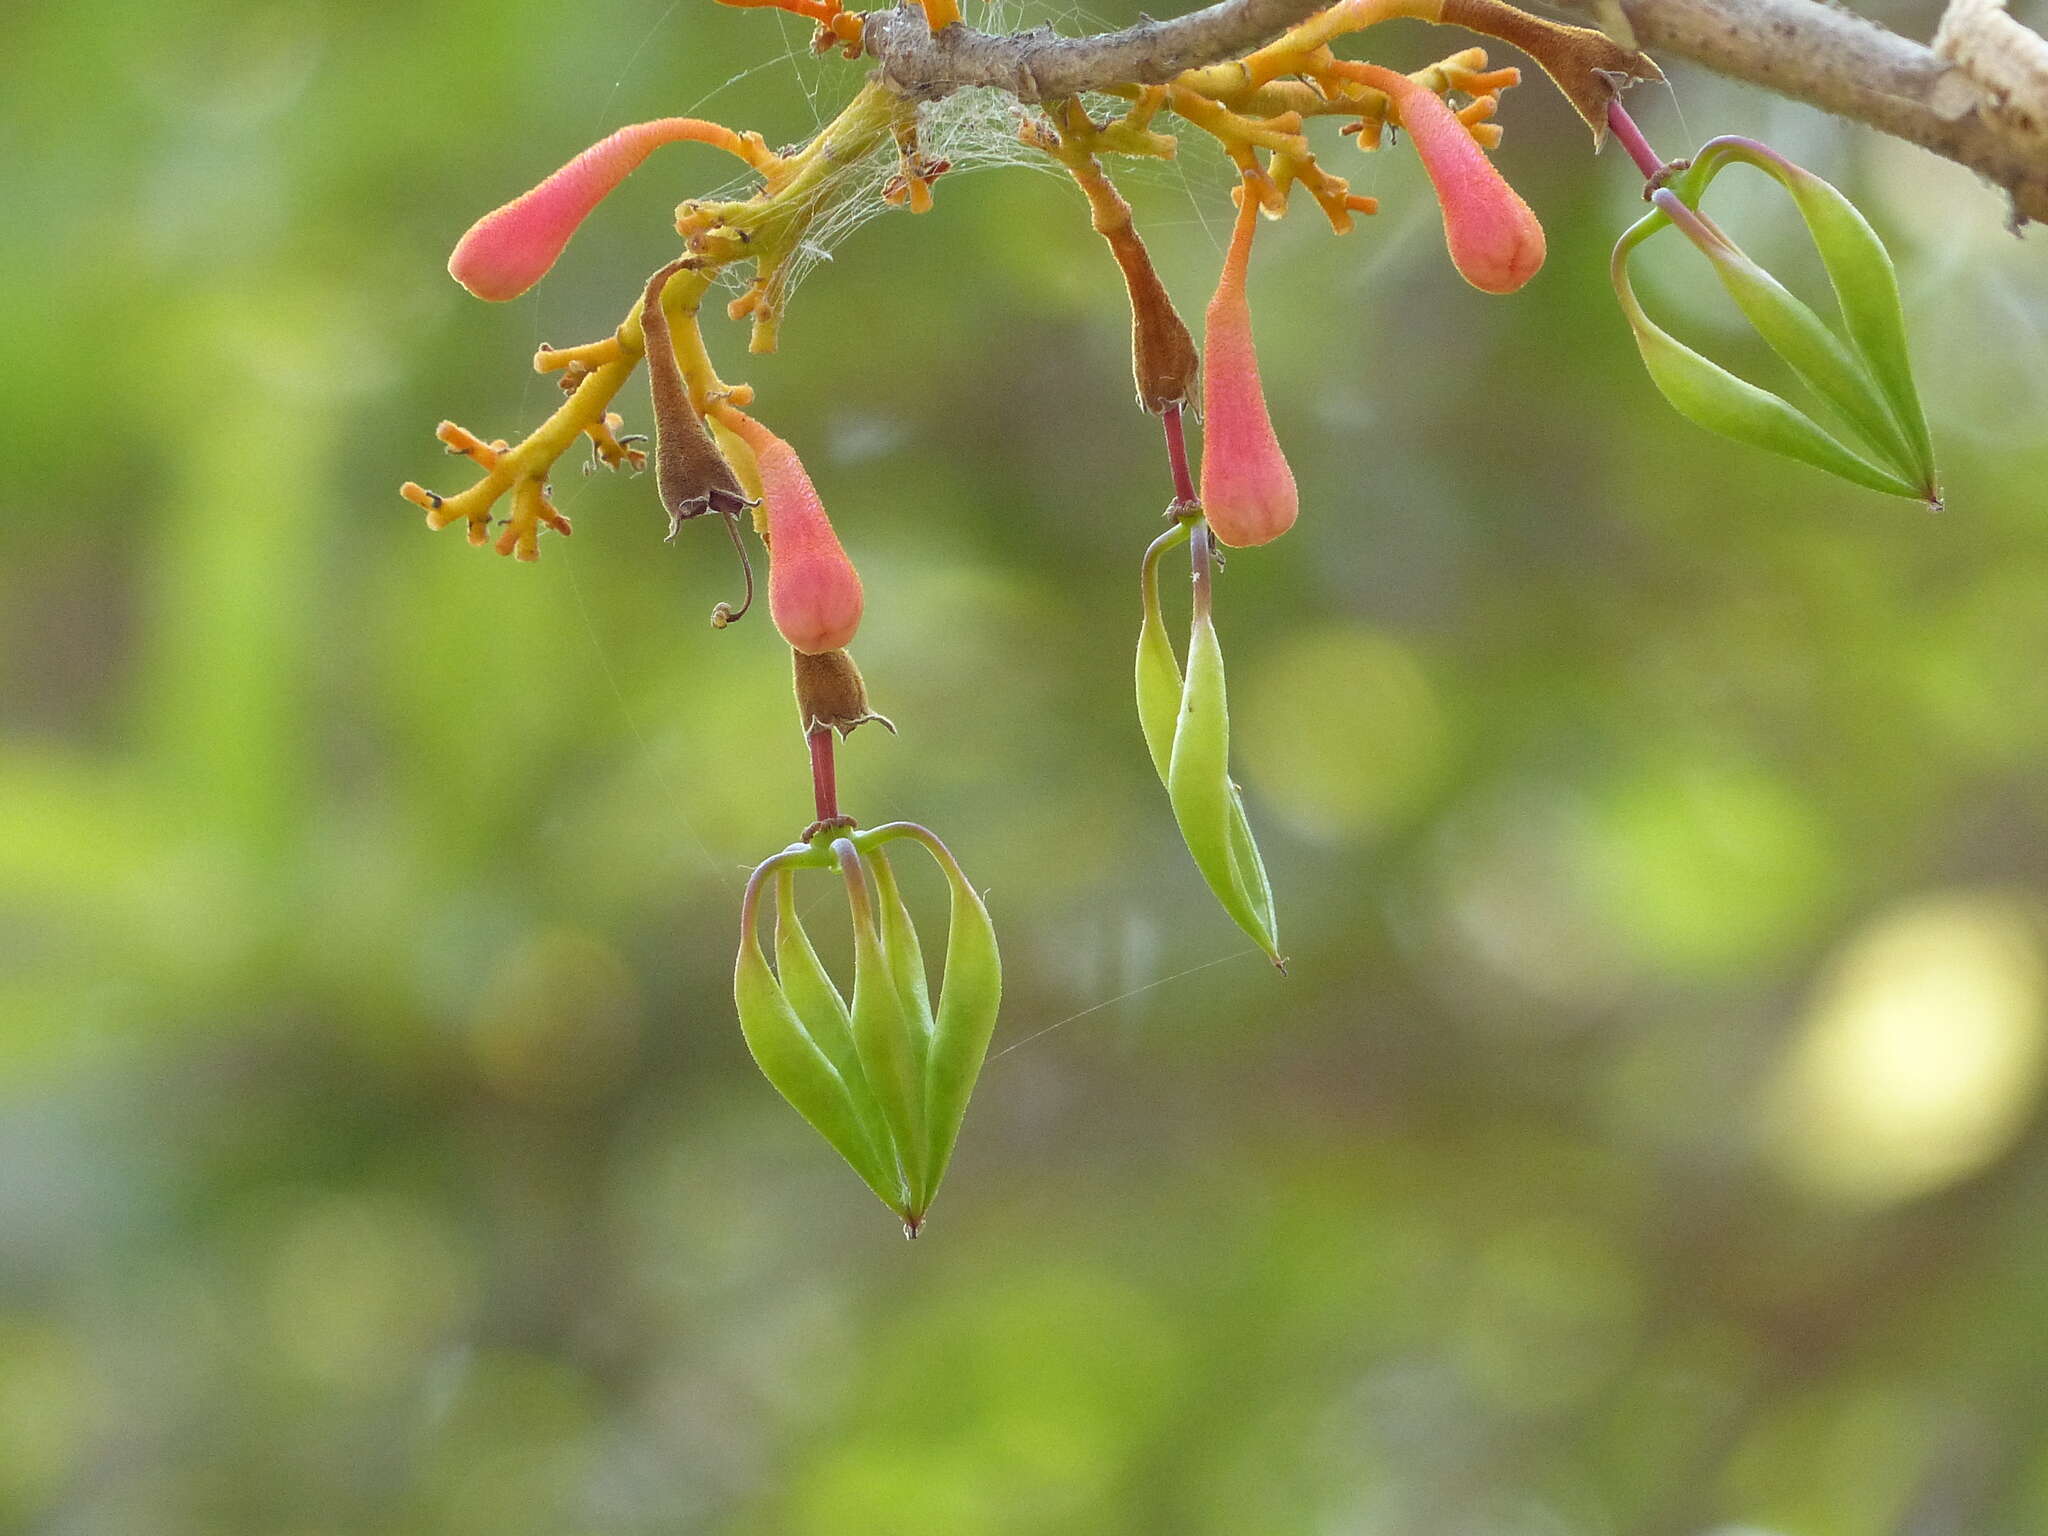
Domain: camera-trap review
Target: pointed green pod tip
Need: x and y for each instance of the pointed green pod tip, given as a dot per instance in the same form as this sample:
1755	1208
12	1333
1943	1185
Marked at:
1863	375
885	1079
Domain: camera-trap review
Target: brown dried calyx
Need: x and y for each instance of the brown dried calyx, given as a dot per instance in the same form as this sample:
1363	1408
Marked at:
1163	356
689	471
1589	67
831	695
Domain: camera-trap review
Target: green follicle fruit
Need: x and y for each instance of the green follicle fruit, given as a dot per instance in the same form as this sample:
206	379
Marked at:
1186	723
1862	374
885	1078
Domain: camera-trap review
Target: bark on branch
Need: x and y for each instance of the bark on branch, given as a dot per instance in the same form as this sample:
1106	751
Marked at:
1040	65
1978	96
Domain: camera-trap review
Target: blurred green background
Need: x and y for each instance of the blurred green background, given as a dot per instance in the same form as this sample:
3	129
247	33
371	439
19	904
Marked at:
1649	1137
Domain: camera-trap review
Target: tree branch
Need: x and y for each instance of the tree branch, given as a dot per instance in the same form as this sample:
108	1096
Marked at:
1978	96
1042	66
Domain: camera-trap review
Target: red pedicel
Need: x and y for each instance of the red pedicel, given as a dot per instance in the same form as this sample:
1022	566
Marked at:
1247	489
813	590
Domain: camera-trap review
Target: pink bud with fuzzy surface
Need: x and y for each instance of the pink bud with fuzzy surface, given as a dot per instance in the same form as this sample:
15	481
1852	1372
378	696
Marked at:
1247	489
1494	239
511	248
814	592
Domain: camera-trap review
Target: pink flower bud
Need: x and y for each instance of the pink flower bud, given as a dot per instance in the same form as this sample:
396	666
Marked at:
510	249
1247	489
1495	241
813	590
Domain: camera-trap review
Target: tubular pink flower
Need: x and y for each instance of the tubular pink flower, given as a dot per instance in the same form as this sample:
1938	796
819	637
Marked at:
814	592
510	249
1495	241
1247	489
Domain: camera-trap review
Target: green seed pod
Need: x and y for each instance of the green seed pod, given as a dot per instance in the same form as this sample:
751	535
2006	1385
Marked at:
1710	396
1187	730
1159	681
889	1041
1797	335
793	1062
900	944
1867	379
1865	283
825	1018
886	1081
1205	801
969	997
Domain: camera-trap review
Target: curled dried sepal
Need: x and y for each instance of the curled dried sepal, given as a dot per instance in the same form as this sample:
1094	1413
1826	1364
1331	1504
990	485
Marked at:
1494	239
814	593
886	1080
1186	722
831	694
511	248
1248	489
1866	379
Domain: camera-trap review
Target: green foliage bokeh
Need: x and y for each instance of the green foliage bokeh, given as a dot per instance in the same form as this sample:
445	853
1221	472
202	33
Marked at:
1647	1138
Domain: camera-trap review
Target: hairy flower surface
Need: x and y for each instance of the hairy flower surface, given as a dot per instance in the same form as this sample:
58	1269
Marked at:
1494	239
814	593
510	249
1247	489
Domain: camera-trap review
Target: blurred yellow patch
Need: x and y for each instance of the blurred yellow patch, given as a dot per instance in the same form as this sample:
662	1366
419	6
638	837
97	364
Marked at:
1923	1053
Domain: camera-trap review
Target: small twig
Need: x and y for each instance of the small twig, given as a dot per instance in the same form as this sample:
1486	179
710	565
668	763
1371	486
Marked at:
1184	497
1945	99
1042	66
1834	59
1631	139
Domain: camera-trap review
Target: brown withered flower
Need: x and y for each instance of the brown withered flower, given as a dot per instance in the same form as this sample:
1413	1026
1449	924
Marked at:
690	473
830	693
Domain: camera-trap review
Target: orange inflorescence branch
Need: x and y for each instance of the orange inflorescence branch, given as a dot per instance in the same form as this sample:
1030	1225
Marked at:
837	26
1257	108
